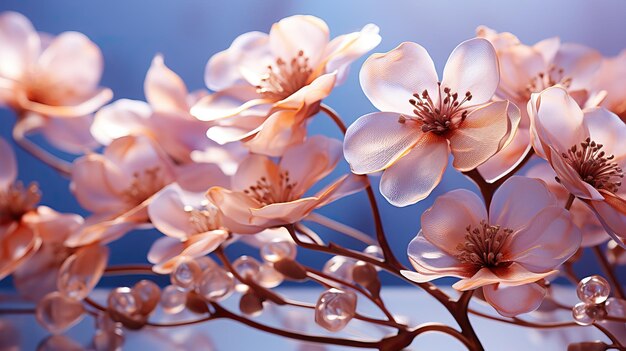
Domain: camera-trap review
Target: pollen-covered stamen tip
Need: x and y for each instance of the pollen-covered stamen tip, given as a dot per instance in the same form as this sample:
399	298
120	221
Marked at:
483	245
594	166
440	116
204	218
267	192
285	78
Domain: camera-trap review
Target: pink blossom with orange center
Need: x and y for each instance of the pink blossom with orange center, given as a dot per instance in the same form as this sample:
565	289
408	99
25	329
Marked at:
528	69
265	194
524	238
585	149
193	227
272	83
118	185
423	119
164	117
51	82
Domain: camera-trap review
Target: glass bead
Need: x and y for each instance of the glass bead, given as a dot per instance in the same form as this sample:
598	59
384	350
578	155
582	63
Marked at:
374	251
340	267
186	274
57	313
335	308
149	293
579	312
278	249
593	289
216	284
173	299
247	267
268	277
123	301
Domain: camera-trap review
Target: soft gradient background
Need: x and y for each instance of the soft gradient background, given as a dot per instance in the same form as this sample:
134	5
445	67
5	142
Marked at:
188	32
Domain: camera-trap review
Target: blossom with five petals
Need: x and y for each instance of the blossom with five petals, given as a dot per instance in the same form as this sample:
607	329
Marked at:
52	83
118	185
273	82
525	236
586	150
264	194
424	119
528	69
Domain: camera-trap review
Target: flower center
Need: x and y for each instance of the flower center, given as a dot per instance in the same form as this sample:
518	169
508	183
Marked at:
553	76
144	185
440	117
203	219
483	245
16	200
594	166
42	89
285	78
267	192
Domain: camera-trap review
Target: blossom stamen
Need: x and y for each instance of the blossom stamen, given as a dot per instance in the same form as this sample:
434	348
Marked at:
483	245
447	114
16	200
552	76
285	78
594	166
267	192
144	185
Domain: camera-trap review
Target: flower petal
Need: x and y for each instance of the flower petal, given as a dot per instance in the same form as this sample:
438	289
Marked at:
518	200
607	129
92	186
389	80
444	223
579	62
549	239
505	160
70	134
431	262
167	213
612	214
345	49
222	71
377	140
87	104
414	176
473	67
8	171
236	207
17	244
19	45
511	301
299	33
227	103
311	161
164	89
121	118
251	170
514	274
281	130
482	134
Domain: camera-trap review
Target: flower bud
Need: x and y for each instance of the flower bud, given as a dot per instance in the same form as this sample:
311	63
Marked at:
251	304
290	269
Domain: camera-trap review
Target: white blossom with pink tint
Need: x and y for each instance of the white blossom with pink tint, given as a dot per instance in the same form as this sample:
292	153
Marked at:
523	239
423	120
273	82
265	194
585	149
51	84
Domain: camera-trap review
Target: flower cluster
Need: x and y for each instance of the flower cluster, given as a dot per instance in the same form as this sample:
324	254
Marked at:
236	164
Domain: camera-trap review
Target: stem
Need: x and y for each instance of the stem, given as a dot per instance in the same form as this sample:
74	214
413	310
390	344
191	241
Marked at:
460	313
340	228
609	335
523	323
17	311
606	267
380	232
570	201
25	125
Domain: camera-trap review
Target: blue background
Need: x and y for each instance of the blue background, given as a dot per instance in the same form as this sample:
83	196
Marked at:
130	33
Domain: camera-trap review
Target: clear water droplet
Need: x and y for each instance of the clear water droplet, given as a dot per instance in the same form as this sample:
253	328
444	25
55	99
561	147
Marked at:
268	277
593	289
216	284
340	267
186	273
123	301
278	249
579	312
173	299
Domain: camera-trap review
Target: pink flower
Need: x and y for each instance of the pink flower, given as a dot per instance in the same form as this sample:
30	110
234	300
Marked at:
525	236
424	120
273	82
586	150
118	185
609	79
165	117
592	230
264	194
18	204
530	69
52	83
193	227
39	276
